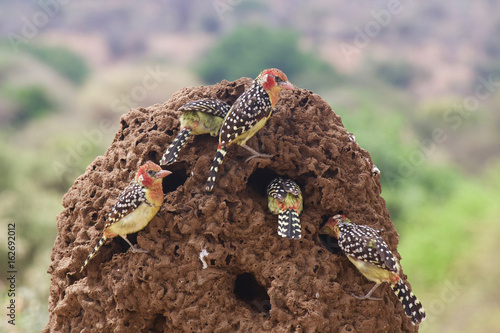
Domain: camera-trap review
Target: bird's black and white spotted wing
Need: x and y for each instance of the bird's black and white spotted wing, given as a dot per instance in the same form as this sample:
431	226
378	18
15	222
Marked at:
276	190
253	105
291	187
364	243
211	106
128	201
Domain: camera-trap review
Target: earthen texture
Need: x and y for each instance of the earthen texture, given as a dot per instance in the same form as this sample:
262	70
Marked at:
299	286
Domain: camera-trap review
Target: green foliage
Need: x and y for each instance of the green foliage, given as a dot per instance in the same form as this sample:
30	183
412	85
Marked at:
381	128
487	69
409	176
248	50
399	74
70	154
30	197
22	202
491	45
31	102
447	220
437	237
65	62
5	176
447	245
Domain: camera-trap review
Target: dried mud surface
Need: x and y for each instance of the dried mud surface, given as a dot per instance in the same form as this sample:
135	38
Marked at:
254	280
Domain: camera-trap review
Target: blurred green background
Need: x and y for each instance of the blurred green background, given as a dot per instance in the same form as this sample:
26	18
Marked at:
416	82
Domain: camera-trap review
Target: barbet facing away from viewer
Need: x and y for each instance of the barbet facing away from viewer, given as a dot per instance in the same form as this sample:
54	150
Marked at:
248	115
364	247
202	116
136	206
285	199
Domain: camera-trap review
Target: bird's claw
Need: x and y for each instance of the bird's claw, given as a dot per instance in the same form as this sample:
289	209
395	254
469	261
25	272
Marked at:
367	297
259	155
138	250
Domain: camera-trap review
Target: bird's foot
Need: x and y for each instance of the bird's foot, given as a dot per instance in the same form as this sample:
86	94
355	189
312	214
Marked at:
138	250
132	247
366	297
255	154
259	155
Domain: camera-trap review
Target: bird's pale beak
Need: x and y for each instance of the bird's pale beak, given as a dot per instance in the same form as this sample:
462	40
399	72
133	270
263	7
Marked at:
162	174
286	85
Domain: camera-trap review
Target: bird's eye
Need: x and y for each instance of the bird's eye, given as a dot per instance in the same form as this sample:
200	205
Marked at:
151	173
278	79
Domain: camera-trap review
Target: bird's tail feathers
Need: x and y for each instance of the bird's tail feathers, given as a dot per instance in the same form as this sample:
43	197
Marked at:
412	306
172	151
289	224
93	253
219	156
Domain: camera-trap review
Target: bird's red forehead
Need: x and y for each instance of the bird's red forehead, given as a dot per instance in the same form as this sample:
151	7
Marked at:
142	176
149	165
275	72
332	222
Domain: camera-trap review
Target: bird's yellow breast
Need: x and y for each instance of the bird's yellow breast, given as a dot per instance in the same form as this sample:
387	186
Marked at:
243	138
135	221
291	202
201	123
371	272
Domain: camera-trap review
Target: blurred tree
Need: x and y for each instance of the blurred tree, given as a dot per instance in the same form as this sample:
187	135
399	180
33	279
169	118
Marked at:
6	174
248	50
412	170
65	62
491	45
30	102
485	69
399	74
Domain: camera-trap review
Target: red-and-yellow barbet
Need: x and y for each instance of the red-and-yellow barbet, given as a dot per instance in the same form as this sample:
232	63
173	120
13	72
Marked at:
202	116
136	206
248	115
364	247
285	199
